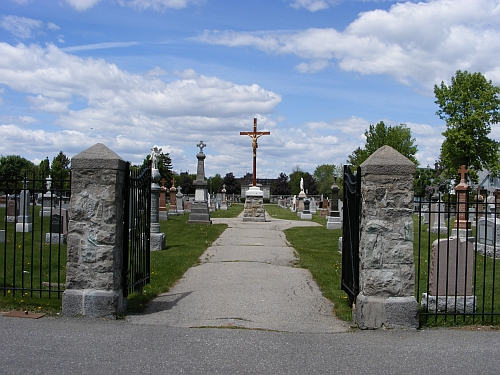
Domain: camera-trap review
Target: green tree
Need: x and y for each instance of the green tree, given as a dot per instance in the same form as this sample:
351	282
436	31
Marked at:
164	166
14	167
186	183
281	186
324	175
60	171
233	186
469	106
214	184
295	177
398	137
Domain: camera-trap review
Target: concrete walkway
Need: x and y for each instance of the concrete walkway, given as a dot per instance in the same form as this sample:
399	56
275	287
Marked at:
247	279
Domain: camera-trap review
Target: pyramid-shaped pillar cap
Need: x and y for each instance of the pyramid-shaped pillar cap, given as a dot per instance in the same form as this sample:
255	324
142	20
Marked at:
97	157
387	160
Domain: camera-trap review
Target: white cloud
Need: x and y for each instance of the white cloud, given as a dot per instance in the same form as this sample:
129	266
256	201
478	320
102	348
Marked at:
97	101
20	27
423	42
89	47
159	4
82	5
312	5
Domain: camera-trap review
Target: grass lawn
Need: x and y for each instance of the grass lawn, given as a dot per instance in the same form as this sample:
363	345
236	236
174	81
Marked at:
27	263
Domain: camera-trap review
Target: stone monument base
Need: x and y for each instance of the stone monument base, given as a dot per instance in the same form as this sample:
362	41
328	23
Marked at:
162	215
488	250
464	304
55	238
254	205
26	227
199	213
333	222
157	241
306	216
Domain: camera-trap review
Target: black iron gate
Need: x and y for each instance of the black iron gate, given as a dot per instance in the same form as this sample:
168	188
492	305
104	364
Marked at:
350	233
136	232
33	228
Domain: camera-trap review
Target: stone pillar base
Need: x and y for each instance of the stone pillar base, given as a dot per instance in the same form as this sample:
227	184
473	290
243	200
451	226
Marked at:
93	303
390	312
254	205
157	241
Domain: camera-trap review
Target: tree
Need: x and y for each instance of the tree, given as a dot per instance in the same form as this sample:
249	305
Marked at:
164	166
214	184
295	177
281	186
324	175
310	184
398	137
14	167
186	183
469	106
233	186
60	171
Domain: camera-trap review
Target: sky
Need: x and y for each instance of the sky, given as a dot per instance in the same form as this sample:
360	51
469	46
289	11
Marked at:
134	74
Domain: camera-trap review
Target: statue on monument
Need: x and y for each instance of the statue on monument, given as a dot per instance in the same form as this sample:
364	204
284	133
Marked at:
155	154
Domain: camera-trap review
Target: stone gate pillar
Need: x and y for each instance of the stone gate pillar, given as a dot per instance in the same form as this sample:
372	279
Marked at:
95	235
386	265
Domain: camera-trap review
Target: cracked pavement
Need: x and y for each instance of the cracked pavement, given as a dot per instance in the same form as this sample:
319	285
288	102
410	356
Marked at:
246	279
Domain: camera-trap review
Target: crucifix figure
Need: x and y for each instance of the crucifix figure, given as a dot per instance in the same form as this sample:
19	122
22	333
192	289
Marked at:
254	135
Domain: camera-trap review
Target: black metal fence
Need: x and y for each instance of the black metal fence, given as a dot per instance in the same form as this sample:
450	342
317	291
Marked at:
33	228
457	259
137	231
350	233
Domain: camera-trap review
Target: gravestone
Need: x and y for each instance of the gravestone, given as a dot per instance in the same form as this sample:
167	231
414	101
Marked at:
179	201
24	222
3	201
47	201
157	238
58	226
293	206
306	212
2	236
12	210
200	213
224	198
450	277
439	222
488	232
313	206
173	200
334	219
163	201
188	204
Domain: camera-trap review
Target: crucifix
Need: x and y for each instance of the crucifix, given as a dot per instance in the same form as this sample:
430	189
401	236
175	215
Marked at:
255	135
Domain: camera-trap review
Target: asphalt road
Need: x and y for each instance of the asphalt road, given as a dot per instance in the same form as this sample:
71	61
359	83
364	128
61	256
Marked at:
84	346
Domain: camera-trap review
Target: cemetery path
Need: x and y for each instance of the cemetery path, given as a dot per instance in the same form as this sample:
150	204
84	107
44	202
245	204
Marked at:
246	279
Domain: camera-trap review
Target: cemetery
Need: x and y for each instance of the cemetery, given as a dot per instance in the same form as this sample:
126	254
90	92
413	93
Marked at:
420	261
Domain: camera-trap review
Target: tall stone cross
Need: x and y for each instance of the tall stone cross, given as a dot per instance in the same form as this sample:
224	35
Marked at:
463	172
255	135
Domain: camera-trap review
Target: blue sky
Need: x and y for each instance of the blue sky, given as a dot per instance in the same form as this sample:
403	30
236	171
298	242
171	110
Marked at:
316	73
